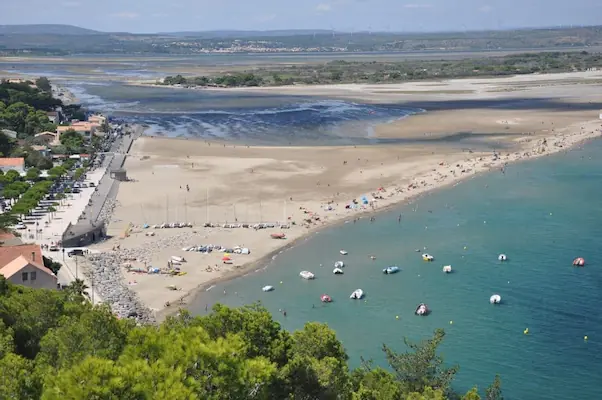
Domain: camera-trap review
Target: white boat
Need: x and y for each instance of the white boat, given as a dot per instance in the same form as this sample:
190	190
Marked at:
447	269
339	264
306	275
337	271
427	257
391	269
343	252
502	257
422	309
178	259
357	294
267	288
495	299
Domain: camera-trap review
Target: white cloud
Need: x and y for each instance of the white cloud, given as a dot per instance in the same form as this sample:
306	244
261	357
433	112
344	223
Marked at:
71	4
417	6
486	9
126	15
324	7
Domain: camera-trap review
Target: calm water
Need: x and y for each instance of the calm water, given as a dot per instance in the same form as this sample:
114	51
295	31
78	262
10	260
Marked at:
541	213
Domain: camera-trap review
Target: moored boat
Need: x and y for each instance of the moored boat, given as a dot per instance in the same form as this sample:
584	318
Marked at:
339	264
306	275
447	269
427	257
495	299
422	309
579	262
502	257
337	271
391	269
343	252
357	294
267	288
325	298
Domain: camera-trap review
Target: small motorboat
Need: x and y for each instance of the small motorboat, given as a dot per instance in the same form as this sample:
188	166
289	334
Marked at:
579	262
337	271
306	275
447	269
422	310
427	257
343	252
391	269
373	258
325	298
357	294
267	288
495	299
502	257
339	264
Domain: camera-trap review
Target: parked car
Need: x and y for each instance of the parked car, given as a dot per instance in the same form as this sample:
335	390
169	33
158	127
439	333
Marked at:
75	252
20	226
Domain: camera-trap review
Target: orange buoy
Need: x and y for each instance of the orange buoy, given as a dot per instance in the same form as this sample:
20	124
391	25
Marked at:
579	262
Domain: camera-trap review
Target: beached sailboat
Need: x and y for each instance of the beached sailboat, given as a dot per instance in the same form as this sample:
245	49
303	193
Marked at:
337	271
391	269
422	310
267	288
357	294
306	275
495	299
339	264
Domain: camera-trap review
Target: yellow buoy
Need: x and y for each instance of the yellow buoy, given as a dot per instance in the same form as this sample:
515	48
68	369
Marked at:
585	337
465	247
526	331
451	322
281	282
397	317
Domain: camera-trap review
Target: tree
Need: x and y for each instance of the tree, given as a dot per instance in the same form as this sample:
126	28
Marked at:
78	173
43	84
76	290
421	367
12	176
72	140
494	391
33	174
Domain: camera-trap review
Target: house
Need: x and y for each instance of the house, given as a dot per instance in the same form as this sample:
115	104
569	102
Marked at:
18	164
98	119
22	271
24	265
84	128
50	138
44	151
9	239
53	117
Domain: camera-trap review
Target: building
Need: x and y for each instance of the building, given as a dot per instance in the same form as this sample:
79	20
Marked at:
49	138
84	128
44	151
53	117
9	133
22	271
18	164
83	234
23	265
98	119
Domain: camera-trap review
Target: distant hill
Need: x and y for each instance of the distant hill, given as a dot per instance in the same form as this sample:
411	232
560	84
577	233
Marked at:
248	34
46	29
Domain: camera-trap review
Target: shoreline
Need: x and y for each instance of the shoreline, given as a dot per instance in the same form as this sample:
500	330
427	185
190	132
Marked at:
266	260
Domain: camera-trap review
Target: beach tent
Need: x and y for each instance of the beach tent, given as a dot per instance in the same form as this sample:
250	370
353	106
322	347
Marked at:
226	258
364	200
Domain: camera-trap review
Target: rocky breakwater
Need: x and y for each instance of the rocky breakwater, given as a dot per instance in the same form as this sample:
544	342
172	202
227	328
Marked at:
106	274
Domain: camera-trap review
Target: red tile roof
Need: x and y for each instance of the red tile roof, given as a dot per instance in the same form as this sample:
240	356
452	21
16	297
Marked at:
31	252
12	162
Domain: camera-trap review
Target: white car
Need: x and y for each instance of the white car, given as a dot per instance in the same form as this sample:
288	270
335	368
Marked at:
20	226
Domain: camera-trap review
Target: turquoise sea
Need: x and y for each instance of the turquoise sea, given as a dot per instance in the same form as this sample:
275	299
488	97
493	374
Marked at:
541	213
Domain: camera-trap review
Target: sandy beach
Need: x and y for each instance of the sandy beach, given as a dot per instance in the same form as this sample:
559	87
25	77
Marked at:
308	188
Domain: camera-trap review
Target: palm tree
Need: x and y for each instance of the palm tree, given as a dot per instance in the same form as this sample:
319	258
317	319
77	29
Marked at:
76	289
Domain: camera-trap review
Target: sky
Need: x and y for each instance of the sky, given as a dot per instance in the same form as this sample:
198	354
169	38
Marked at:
148	16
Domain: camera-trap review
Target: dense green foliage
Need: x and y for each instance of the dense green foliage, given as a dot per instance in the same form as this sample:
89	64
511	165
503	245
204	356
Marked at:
392	72
53	345
316	41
